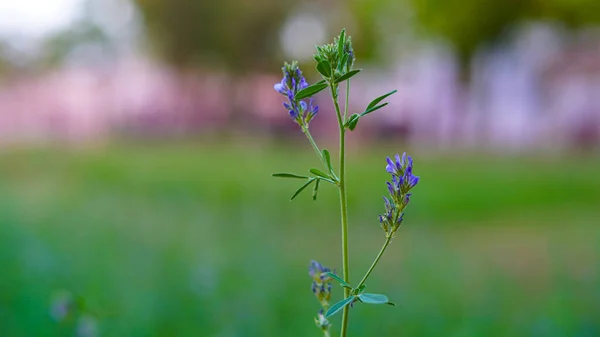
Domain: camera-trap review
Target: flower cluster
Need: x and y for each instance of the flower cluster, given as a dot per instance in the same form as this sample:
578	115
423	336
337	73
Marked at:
340	58
322	322
403	180
301	111
321	287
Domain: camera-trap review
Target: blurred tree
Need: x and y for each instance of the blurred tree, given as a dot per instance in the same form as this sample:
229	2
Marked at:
58	47
238	35
3	61
470	23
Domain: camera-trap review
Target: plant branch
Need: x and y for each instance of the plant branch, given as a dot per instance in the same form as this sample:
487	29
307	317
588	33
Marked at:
385	244
388	239
316	148
347	98
343	203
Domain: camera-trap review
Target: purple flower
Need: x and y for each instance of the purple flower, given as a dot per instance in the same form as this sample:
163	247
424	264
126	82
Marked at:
321	285
301	111
403	180
280	87
406	199
318	272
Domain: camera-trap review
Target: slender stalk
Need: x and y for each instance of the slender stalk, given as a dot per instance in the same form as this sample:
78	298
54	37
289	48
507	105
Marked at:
314	145
347	96
343	204
386	243
388	239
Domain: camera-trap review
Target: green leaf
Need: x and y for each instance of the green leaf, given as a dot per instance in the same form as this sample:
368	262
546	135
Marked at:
315	190
327	157
379	99
302	188
374	298
341	43
319	173
361	288
343	62
289	175
347	75
324	68
334	309
352	121
311	90
368	111
339	279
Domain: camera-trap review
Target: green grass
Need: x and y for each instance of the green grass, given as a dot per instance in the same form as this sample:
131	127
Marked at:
200	241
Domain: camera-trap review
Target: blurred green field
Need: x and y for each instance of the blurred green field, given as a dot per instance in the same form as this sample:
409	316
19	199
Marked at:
193	240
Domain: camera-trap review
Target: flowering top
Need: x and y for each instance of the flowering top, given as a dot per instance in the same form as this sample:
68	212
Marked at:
321	285
403	180
301	111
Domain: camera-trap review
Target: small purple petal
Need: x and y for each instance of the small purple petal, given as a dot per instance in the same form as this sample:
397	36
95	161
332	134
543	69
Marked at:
314	268
303	84
280	87
390	188
390	168
414	181
388	205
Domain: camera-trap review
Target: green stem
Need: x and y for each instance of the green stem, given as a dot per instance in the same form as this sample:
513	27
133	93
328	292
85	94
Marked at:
317	150
314	144
343	204
388	239
347	97
364	279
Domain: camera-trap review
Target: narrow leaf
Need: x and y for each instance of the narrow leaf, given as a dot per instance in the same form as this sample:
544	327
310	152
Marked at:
379	99
352	121
368	111
343	62
347	75
373	298
302	188
334	309
327	157
289	175
339	279
361	288
319	173
341	42
311	90
316	189
324	68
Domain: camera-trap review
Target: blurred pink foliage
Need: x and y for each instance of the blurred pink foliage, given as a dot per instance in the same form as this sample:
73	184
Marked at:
535	92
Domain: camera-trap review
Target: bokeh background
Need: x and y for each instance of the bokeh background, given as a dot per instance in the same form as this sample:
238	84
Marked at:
137	139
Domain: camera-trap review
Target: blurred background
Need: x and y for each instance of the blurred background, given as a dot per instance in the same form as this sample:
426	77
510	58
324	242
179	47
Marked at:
137	139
